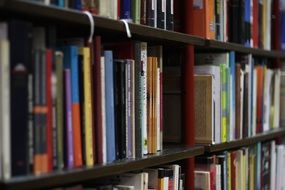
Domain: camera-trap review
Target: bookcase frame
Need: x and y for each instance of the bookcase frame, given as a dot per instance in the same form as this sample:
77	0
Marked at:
35	11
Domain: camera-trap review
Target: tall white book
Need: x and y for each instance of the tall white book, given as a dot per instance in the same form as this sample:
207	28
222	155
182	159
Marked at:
5	149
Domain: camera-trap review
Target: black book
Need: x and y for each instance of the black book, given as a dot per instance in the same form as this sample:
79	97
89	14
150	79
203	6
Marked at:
217	19
120	108
241	22
160	14
169	15
20	35
233	9
150	13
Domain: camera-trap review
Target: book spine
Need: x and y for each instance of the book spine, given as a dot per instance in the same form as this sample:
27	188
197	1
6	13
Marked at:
103	107
143	95
85	52
149	105
76	120
98	98
132	72
68	120
223	103
49	144
136	11
59	107
169	15
5	147
160	14
109	92
126	10
151	13
20	61
129	110
154	105
143	16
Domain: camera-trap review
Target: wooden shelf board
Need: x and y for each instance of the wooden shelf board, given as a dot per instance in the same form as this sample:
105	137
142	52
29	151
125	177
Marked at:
63	15
242	49
71	176
269	135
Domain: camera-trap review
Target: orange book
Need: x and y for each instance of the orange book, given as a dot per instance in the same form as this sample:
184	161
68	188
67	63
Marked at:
76	134
204	18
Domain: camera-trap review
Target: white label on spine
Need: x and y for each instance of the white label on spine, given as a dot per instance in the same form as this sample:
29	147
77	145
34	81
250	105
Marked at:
152	4
171	6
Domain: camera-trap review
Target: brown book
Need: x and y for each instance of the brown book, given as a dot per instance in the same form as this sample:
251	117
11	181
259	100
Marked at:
203	95
238	101
154	104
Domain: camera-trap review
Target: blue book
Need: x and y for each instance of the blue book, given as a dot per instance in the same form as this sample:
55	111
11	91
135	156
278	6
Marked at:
77	5
126	9
282	25
110	112
232	90
247	12
70	61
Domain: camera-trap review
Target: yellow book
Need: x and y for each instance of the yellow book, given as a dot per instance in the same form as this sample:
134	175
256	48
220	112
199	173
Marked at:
87	105
251	172
229	171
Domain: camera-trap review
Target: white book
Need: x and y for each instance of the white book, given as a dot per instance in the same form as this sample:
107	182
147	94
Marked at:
165	183
215	72
5	149
145	178
144	94
103	107
254	103
241	102
267	99
276	104
273	165
176	175
159	146
47	2
218	177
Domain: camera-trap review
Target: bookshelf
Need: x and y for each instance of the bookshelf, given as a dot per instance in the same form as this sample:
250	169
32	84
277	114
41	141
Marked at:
39	12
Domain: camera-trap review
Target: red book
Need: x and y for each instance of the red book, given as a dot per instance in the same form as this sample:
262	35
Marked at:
255	27
49	58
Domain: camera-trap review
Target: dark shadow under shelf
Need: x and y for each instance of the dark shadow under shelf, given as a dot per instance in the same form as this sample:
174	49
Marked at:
71	176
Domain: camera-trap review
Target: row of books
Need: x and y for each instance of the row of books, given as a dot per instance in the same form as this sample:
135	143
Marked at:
236	96
155	13
246	22
67	103
167	177
257	167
